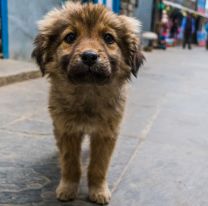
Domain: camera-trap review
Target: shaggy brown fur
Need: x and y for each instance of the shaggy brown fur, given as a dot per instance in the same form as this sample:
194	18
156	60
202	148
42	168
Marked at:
88	53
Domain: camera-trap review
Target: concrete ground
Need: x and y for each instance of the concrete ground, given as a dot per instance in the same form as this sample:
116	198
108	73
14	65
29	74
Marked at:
161	157
11	67
12	71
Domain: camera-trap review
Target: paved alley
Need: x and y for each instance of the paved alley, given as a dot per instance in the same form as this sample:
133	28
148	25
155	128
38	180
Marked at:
161	157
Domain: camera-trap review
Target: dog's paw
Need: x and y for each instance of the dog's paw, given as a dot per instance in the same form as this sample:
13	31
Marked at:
100	195
67	191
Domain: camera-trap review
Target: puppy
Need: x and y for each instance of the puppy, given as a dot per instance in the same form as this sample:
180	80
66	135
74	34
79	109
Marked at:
89	54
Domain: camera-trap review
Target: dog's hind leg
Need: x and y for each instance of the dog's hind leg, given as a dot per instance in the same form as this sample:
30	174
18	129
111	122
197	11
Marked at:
101	152
70	148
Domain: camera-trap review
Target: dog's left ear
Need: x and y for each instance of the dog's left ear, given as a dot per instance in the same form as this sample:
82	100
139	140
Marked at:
131	38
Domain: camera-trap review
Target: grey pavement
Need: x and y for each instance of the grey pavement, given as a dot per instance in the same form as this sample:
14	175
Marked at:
9	67
161	157
12	71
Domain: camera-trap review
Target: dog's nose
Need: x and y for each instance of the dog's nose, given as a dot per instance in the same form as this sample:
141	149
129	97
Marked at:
89	57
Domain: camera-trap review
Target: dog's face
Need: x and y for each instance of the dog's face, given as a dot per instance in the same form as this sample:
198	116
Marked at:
88	44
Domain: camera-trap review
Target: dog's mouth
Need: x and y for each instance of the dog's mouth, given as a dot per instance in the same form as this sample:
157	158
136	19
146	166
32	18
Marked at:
82	74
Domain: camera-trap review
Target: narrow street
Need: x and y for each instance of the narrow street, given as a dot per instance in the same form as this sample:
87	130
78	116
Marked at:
161	157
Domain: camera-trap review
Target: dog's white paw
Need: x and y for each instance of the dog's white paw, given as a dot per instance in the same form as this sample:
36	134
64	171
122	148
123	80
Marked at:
100	195
67	191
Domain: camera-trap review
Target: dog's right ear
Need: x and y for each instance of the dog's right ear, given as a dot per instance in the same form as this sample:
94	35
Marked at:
39	52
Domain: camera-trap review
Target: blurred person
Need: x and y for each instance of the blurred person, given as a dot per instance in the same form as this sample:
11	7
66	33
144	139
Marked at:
174	29
165	25
161	44
163	31
206	29
188	27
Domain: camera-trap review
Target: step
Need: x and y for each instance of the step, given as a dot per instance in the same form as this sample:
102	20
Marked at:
12	71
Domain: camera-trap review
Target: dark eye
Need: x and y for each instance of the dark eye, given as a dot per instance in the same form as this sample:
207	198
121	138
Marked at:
108	38
70	38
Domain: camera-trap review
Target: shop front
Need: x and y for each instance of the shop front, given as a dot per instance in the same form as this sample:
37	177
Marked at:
206	8
172	16
201	32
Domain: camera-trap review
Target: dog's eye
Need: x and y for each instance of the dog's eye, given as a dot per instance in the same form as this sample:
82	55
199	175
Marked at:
108	38
70	38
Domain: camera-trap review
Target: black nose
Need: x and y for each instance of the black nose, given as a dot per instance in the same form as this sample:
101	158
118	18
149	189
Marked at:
89	57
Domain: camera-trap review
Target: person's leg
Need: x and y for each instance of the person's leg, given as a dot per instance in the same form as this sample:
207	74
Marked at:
184	43
189	41
184	40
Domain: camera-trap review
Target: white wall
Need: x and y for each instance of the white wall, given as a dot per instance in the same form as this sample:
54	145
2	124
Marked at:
144	13
22	18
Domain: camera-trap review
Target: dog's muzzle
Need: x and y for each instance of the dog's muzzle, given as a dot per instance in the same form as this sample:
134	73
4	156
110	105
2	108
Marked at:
86	74
89	70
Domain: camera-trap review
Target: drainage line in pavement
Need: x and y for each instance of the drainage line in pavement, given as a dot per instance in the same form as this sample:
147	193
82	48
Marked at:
142	137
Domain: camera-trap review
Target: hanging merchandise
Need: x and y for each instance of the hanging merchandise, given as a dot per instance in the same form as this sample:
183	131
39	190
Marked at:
201	38
160	6
189	4
206	8
201	4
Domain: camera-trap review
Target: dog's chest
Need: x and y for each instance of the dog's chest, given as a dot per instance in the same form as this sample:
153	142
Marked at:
86	111
93	107
88	108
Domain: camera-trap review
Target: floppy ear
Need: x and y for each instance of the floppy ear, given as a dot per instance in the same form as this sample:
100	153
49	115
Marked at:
134	56
137	61
40	52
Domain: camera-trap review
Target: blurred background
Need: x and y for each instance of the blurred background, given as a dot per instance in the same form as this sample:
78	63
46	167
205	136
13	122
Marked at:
174	22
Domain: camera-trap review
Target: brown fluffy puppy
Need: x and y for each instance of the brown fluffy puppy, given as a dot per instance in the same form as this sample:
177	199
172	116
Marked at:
89	54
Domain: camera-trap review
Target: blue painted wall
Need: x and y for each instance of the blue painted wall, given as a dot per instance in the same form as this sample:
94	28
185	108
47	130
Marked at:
4	28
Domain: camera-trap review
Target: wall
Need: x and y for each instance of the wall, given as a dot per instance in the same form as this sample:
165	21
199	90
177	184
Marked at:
144	13
22	18
23	15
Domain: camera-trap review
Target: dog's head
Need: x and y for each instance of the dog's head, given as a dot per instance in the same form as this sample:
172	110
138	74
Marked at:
88	44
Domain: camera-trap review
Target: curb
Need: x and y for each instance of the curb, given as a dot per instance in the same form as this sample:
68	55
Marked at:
24	76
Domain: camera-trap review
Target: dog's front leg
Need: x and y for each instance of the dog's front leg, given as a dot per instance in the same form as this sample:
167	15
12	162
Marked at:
101	152
70	148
